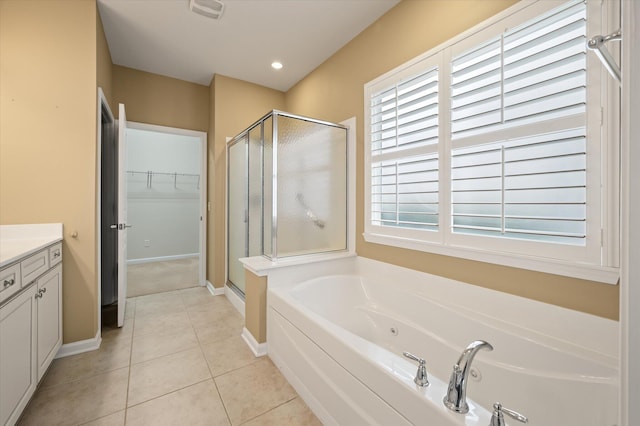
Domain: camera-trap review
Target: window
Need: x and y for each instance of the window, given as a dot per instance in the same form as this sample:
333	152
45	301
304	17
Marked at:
493	146
404	138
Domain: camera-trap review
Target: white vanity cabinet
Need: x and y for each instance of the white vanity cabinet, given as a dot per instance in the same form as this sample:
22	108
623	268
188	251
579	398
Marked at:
30	326
18	373
49	309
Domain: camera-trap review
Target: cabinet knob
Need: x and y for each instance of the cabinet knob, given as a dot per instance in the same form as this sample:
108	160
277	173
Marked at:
9	283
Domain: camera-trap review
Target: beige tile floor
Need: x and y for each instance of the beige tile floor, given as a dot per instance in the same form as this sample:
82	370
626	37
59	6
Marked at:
157	277
178	360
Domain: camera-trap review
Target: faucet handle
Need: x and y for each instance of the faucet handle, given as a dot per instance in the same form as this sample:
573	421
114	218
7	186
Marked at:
421	375
413	357
497	419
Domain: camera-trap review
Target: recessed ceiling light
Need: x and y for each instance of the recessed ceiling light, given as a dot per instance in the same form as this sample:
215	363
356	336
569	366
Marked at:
276	65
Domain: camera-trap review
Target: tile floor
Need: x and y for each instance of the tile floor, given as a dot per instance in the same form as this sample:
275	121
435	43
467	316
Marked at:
178	360
156	277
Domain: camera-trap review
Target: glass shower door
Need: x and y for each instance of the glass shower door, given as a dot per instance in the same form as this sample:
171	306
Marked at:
237	214
244	202
287	191
312	187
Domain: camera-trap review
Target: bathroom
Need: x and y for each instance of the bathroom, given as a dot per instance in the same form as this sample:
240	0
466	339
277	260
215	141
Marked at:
332	92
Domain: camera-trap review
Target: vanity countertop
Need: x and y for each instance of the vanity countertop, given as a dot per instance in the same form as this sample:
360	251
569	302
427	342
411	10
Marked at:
18	241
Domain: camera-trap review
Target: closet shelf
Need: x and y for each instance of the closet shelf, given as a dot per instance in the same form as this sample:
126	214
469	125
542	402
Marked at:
150	174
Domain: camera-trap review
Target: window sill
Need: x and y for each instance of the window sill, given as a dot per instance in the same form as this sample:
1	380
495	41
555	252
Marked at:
602	274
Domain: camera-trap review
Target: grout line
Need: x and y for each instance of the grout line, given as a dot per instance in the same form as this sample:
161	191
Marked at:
102	417
79	379
269	410
238	368
126	400
199	346
213	378
168	393
131	321
224	406
164	356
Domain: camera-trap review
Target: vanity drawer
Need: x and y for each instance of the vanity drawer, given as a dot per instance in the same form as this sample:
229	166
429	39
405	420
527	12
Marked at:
55	254
34	266
10	281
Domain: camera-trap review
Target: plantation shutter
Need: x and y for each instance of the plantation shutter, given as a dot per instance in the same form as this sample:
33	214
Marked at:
404	160
522	95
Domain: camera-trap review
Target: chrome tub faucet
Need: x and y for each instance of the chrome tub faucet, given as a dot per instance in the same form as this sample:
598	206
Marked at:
421	375
456	397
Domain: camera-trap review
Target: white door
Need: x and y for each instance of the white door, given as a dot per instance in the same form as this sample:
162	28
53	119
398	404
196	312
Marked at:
122	215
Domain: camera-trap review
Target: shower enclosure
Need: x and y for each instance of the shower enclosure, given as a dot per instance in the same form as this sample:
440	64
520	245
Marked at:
286	190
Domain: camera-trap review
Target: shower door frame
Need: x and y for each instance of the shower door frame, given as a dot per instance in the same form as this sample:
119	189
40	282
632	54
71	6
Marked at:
240	138
245	135
274	201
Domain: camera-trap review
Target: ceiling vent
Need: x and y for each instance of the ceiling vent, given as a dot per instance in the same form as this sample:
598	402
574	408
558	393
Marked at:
209	8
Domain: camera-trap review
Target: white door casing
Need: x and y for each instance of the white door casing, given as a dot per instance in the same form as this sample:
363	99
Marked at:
122	215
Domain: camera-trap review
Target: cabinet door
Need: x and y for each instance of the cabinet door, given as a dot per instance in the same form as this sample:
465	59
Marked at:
17	355
49	299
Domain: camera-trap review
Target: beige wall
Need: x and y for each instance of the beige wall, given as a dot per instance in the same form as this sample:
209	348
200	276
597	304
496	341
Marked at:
48	137
165	101
223	109
334	91
235	106
255	306
104	63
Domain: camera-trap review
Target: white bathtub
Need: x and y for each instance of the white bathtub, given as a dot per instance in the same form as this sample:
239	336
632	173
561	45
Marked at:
337	330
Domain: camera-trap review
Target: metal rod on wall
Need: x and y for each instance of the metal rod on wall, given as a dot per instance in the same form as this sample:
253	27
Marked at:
597	45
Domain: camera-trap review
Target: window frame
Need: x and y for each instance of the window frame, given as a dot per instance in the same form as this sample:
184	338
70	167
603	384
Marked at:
598	259
403	73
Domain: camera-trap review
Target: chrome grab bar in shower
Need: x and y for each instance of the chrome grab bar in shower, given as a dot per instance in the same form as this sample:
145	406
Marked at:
310	214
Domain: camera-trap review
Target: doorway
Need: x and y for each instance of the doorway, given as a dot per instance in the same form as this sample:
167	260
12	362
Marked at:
112	230
112	234
166	200
108	213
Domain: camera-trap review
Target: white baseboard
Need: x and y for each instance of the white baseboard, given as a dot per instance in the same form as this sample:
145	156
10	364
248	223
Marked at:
216	291
79	347
258	349
162	258
235	300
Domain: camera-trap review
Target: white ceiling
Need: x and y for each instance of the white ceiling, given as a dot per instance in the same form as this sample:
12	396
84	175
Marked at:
165	37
